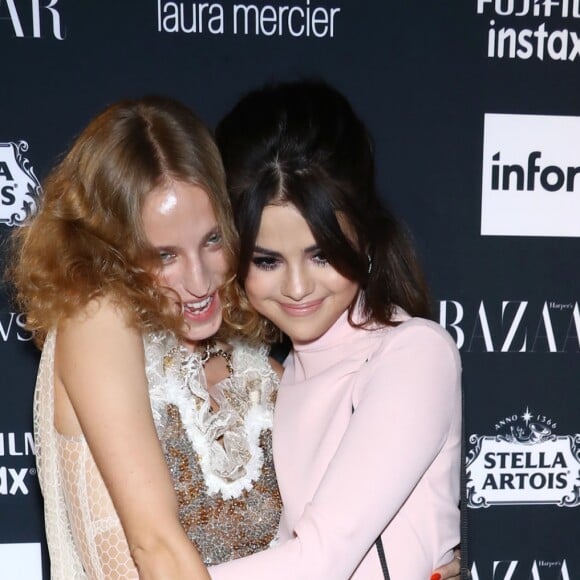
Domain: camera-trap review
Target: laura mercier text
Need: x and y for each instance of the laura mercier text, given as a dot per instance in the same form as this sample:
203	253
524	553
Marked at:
298	19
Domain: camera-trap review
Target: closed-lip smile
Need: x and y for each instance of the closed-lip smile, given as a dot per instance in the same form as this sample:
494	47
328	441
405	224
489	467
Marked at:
302	308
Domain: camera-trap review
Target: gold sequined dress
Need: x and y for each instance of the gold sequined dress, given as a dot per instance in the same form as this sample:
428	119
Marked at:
220	462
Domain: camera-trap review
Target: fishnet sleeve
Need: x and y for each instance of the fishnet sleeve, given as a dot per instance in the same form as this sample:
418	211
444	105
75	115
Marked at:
85	537
96	529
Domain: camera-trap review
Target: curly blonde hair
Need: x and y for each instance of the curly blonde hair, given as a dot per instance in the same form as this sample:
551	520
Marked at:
87	239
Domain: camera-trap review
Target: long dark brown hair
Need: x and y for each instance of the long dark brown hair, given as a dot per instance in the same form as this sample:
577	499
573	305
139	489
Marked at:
301	143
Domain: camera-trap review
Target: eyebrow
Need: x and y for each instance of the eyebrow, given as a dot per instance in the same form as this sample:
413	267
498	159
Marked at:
165	248
260	250
214	230
266	252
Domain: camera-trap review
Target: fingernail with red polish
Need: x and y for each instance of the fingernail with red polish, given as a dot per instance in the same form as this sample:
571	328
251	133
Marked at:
436	576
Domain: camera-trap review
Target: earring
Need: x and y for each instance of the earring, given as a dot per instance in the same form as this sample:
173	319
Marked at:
370	268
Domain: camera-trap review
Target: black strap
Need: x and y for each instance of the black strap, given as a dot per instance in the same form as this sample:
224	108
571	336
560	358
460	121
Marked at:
382	558
465	572
380	549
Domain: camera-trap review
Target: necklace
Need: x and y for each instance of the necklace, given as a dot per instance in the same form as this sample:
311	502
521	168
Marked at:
212	350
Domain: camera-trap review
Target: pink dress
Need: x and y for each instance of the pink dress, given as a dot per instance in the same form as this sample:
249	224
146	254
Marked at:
391	468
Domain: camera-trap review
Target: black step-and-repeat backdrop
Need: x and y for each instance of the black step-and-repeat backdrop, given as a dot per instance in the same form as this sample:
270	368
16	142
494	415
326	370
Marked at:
475	108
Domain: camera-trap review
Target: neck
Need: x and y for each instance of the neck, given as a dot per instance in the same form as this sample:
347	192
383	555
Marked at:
333	333
193	345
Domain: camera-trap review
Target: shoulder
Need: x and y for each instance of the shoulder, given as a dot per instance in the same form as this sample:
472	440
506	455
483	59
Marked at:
422	338
415	357
103	311
425	331
101	325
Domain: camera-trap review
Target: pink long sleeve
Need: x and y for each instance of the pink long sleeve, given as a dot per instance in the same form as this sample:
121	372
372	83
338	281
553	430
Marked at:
392	464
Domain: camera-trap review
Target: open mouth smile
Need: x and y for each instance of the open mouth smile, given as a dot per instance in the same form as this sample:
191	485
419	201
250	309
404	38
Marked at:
198	307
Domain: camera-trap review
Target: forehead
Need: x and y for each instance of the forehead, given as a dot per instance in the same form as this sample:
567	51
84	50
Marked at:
176	211
283	223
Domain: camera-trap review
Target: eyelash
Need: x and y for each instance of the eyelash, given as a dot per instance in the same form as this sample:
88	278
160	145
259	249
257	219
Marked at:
320	259
265	262
268	263
166	257
214	239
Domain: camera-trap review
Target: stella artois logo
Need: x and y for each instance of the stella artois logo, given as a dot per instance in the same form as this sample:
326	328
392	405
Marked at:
525	462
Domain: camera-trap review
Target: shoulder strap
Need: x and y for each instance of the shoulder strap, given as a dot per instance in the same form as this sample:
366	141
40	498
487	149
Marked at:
382	558
465	572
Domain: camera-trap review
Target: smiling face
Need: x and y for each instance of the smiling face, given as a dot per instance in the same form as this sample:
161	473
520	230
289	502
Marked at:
180	224
289	280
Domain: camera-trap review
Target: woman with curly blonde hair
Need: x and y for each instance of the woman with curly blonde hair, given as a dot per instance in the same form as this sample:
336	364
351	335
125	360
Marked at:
151	432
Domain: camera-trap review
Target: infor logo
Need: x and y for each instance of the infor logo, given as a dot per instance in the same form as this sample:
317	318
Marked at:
531	176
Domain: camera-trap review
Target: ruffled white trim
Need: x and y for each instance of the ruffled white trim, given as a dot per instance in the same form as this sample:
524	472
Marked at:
227	441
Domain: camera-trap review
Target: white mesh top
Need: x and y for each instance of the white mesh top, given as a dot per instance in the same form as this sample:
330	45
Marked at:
220	462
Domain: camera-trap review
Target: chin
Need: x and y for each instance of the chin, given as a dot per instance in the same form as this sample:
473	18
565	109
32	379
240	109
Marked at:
199	332
303	337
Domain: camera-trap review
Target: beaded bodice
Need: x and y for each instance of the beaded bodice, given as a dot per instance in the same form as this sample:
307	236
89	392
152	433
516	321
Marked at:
220	460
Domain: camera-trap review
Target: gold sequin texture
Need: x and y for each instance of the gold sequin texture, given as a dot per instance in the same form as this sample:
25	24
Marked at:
222	529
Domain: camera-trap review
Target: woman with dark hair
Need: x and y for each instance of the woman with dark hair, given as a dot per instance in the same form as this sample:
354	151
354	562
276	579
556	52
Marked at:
367	420
152	420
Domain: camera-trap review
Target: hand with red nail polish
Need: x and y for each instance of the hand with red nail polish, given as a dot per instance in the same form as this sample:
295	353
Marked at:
450	571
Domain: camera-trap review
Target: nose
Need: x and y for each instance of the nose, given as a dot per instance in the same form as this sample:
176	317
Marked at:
297	283
197	279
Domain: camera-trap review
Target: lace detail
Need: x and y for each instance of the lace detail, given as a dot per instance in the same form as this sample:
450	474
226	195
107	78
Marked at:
220	462
226	440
